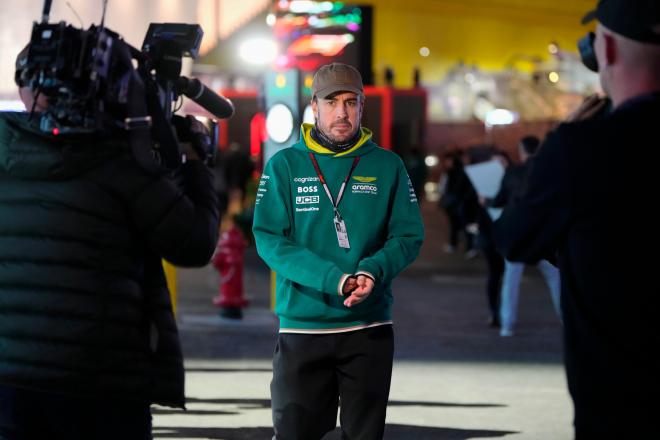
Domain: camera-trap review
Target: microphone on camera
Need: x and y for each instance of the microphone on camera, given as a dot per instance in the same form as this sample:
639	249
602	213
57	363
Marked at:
193	88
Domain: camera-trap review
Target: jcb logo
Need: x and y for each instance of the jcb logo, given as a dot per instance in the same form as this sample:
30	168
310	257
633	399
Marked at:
306	200
308	189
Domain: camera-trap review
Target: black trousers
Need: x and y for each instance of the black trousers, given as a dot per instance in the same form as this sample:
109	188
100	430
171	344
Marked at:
313	373
495	263
34	415
455	226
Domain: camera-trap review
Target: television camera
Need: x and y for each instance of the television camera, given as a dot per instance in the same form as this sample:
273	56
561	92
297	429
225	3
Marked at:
96	82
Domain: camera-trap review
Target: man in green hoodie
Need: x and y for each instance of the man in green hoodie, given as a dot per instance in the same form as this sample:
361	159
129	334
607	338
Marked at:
337	219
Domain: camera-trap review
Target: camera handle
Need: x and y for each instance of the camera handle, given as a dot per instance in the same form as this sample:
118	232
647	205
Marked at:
166	146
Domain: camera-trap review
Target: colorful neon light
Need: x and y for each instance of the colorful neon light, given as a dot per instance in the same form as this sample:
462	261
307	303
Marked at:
326	45
312	7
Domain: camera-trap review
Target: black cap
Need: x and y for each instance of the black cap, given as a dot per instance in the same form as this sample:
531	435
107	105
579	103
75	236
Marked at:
638	20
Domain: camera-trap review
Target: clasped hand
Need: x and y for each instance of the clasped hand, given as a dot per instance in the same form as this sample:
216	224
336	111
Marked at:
359	287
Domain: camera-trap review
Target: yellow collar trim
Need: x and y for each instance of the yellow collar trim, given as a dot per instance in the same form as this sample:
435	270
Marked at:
318	148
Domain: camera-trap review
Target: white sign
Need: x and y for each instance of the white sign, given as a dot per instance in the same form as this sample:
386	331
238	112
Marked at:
486	178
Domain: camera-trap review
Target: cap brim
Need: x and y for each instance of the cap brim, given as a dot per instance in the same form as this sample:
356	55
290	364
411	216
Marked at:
589	17
338	88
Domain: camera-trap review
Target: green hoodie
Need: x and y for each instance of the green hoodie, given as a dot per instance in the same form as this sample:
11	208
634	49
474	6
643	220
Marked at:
295	232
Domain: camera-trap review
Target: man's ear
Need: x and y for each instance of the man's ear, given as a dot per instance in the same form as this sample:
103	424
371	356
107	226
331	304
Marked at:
315	108
26	96
360	103
611	49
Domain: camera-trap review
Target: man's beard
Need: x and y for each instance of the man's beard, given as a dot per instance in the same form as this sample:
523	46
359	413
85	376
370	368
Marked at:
336	139
331	142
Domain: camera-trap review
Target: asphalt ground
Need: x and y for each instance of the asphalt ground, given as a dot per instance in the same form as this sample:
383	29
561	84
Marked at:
454	377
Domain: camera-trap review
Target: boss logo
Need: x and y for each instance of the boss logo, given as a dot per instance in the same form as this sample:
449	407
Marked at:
307	200
308	189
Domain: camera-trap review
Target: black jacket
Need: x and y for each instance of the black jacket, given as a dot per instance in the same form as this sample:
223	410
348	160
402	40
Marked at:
84	307
459	195
512	187
589	197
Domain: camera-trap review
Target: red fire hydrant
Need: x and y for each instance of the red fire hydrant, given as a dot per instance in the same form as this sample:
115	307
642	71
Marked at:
228	260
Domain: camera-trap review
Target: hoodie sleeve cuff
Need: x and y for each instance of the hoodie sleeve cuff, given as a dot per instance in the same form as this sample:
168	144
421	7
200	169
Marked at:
366	274
369	268
342	281
334	280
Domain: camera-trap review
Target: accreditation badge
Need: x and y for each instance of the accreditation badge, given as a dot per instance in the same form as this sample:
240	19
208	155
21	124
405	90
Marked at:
342	235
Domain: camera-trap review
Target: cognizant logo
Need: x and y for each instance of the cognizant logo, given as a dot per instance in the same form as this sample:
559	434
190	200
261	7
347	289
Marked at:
305	179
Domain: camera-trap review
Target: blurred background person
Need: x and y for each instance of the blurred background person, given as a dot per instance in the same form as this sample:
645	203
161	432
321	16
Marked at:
511	189
458	201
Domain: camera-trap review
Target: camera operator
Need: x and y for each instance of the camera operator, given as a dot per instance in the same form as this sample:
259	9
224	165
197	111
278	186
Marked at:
589	186
88	340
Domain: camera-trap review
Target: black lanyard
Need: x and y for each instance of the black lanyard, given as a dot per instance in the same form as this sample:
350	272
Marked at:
335	204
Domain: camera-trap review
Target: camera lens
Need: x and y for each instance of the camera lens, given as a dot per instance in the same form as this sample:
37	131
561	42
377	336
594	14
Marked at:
587	52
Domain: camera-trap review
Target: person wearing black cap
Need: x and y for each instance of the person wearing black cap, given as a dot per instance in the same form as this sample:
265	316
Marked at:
610	297
337	219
